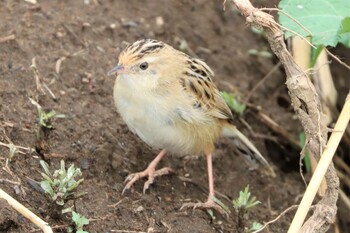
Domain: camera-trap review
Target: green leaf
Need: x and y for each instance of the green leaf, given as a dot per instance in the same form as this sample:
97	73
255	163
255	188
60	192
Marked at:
217	201
244	202
344	32
302	140
62	172
255	226
322	18
61	183
233	102
45	166
314	54
67	210
74	185
75	216
46	177
70	172
45	184
13	150
79	220
50	114
60	116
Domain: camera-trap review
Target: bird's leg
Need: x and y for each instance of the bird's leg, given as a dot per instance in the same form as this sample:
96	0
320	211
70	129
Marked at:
150	171
210	203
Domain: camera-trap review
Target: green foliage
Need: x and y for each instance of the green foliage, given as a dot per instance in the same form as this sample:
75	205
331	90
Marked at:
220	203
314	54
344	33
233	102
245	201
302	140
45	118
257	31
255	227
79	221
13	151
327	21
262	53
61	184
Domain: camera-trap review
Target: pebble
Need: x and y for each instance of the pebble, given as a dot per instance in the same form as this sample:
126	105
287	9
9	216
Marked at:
159	21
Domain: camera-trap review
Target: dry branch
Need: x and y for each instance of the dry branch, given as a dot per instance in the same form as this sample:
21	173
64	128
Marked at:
305	103
324	211
7	38
38	79
26	212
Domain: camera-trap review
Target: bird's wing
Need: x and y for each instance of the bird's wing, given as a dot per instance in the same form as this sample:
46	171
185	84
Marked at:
197	82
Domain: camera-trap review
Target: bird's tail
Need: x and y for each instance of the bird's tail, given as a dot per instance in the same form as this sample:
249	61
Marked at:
246	147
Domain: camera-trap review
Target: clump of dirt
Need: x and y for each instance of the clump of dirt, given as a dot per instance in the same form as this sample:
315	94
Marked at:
75	43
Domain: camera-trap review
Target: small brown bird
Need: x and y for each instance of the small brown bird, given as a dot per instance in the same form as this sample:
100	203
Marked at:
170	101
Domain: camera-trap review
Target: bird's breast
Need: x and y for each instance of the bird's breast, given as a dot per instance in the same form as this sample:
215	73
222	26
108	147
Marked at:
162	121
142	111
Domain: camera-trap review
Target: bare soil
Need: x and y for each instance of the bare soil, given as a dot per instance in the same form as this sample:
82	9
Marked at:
94	137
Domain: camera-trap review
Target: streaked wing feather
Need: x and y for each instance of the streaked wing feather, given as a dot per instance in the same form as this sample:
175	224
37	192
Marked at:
198	82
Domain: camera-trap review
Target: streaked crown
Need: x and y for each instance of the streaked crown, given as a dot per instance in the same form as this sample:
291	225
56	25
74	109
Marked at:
139	49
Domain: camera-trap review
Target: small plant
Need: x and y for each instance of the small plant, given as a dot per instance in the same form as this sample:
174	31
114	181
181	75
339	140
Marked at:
45	118
79	221
233	102
262	53
13	151
242	205
255	227
61	184
245	201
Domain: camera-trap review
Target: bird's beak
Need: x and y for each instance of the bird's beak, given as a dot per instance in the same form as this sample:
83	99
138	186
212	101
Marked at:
118	69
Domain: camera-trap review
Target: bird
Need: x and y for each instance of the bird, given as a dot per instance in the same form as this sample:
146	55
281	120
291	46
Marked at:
170	101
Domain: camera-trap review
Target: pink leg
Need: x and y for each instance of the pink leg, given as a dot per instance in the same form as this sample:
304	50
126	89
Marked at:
150	171
210	176
209	204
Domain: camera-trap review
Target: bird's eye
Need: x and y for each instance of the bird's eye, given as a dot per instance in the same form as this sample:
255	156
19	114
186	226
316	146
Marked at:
143	65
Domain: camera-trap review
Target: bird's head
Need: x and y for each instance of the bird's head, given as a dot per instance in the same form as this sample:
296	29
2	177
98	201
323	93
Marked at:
146	59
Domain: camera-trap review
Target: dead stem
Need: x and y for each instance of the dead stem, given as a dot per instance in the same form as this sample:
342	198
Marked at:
28	149
26	212
278	217
10	181
37	76
7	38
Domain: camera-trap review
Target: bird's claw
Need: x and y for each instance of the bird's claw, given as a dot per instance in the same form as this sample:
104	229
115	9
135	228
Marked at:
210	204
150	172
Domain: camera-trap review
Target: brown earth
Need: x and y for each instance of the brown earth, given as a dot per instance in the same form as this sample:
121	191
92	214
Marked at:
94	137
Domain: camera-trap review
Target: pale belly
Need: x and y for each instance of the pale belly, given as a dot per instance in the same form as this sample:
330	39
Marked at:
152	126
160	125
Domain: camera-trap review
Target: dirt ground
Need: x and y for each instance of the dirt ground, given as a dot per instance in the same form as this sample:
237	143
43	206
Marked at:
87	38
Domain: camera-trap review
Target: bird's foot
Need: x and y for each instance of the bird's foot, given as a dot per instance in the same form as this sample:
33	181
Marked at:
209	204
150	172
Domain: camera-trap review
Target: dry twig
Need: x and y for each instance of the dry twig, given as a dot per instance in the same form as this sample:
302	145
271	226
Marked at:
26	212
278	217
28	149
322	211
7	38
39	86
